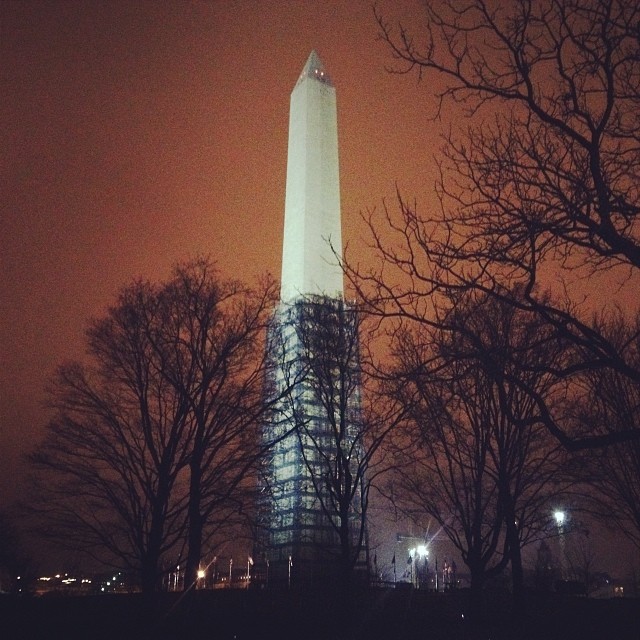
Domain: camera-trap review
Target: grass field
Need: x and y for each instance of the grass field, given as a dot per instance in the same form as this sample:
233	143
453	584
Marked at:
260	615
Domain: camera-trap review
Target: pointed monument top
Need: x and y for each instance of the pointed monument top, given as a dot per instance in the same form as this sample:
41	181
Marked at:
315	69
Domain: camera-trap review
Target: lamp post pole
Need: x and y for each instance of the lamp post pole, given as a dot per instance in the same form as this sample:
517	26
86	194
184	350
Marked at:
560	518
436	574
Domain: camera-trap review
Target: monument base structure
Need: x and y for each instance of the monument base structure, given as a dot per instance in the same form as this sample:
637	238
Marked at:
312	530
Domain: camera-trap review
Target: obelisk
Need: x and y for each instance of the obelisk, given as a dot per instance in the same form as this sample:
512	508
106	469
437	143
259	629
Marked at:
312	204
297	537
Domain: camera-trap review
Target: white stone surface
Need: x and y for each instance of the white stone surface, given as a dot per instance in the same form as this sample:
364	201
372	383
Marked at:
312	204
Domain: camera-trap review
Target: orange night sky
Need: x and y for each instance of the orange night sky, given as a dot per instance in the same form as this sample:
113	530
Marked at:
139	134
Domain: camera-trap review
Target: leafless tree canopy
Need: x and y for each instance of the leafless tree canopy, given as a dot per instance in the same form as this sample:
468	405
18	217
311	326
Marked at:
613	475
475	461
543	179
154	436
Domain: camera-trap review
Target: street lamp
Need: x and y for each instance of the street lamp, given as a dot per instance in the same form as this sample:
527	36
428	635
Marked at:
249	565
560	518
417	553
412	560
423	554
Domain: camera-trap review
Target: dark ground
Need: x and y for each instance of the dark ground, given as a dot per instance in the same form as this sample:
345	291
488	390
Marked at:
255	615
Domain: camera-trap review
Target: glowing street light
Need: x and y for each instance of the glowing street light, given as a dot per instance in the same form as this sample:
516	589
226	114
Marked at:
560	518
417	553
200	578
249	565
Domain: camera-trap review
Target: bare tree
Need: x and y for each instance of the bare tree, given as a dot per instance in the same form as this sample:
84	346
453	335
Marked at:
609	402
443	472
113	454
155	436
544	179
211	335
478	465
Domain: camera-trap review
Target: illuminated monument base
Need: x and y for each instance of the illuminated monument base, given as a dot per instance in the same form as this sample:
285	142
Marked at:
299	544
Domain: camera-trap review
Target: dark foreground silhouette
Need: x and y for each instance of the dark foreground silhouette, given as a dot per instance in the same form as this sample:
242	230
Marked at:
262	615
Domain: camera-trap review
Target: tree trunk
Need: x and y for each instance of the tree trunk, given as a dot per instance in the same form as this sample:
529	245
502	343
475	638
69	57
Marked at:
475	592
515	557
345	551
151	556
344	605
148	575
195	548
195	525
517	577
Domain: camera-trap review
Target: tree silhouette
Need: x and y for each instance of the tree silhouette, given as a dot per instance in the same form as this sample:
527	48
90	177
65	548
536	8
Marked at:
542	182
476	463
211	335
610	402
155	435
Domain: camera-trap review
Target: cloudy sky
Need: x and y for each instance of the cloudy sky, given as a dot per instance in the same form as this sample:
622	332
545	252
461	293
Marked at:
139	134
135	135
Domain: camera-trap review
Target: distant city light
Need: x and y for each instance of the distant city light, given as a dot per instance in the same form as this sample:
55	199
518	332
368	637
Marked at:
560	517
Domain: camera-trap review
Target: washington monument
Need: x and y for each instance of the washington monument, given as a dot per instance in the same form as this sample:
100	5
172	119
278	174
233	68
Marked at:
305	535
